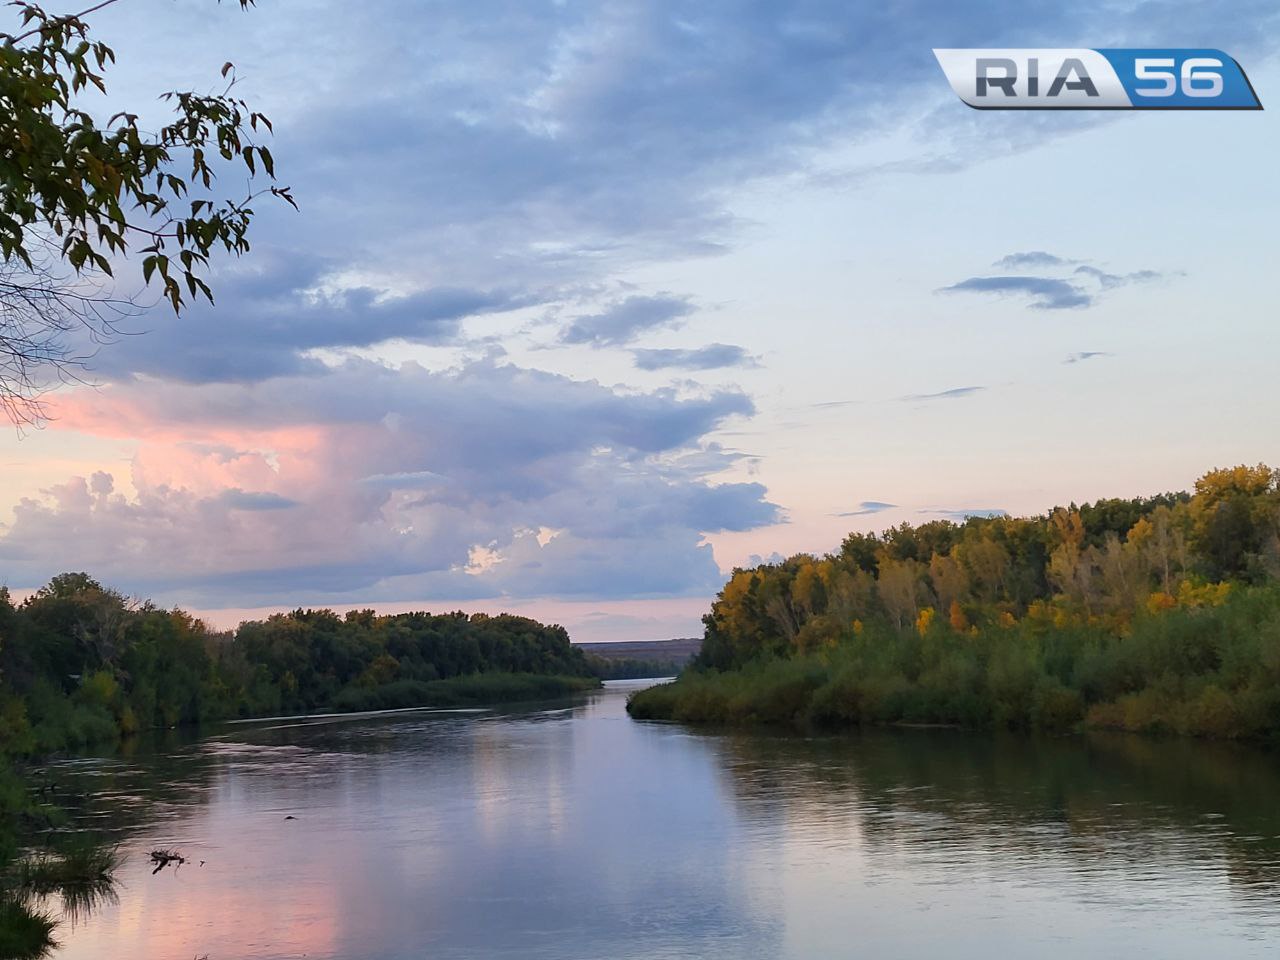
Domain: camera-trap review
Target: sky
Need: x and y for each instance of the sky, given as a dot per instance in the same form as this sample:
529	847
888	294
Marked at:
588	303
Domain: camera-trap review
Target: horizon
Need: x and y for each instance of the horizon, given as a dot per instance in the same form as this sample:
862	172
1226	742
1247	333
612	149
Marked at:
584	308
229	619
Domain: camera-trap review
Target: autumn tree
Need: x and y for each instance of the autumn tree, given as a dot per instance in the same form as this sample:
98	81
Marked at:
1125	574
950	580
987	562
809	588
1071	564
901	588
1163	537
849	593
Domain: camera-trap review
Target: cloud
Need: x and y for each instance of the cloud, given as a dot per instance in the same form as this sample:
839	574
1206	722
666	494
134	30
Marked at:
1109	281
271	315
1080	288
1084	355
953	394
410	479
835	404
1031	258
711	357
1044	293
237	499
373	482
963	513
866	508
519	157
625	320
528	153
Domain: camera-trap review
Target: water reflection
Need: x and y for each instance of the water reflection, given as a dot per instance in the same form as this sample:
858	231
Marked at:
574	832
72	875
939	841
1021	798
79	880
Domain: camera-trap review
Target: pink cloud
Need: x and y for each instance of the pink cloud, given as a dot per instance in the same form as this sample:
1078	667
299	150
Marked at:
372	483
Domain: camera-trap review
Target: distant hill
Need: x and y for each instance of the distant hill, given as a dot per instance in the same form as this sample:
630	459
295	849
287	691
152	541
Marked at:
678	652
639	659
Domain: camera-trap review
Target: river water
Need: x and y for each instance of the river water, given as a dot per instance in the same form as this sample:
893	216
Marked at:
573	832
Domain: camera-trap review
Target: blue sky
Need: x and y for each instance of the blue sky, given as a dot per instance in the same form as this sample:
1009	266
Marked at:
588	303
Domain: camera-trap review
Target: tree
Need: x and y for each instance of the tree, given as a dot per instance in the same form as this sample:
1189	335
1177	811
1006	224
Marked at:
80	608
950	580
1236	518
861	551
986	562
809	588
1071	572
900	586
849	594
1125	575
79	196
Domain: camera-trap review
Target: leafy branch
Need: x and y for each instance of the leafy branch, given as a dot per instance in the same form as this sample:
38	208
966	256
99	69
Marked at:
99	191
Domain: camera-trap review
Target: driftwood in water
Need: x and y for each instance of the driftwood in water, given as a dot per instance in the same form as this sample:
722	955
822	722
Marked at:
162	859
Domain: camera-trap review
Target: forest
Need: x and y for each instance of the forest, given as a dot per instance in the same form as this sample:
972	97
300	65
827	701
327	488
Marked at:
1157	614
81	664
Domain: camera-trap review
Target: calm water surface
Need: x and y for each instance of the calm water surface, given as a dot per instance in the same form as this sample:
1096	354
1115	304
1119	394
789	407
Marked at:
574	832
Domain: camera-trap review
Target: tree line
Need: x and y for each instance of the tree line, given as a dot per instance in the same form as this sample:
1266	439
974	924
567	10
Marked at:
1155	613
82	663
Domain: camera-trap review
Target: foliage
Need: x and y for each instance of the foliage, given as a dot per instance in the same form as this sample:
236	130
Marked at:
484	688
25	934
1157	614
83	192
82	664
1208	671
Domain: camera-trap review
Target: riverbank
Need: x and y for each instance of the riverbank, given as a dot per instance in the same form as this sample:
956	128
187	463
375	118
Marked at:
477	690
1155	614
1211	671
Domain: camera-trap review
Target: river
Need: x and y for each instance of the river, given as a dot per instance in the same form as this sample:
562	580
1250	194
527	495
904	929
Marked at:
570	831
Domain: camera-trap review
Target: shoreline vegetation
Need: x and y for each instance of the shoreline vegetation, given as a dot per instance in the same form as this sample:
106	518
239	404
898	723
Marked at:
81	664
1154	615
477	690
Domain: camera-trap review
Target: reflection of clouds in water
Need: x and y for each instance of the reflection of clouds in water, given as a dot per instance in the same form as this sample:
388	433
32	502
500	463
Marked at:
546	833
577	833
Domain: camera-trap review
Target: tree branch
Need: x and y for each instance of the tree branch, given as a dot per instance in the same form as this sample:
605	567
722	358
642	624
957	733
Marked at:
66	18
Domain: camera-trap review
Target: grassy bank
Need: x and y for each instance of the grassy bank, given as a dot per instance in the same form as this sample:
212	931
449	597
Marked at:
1202	671
476	690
